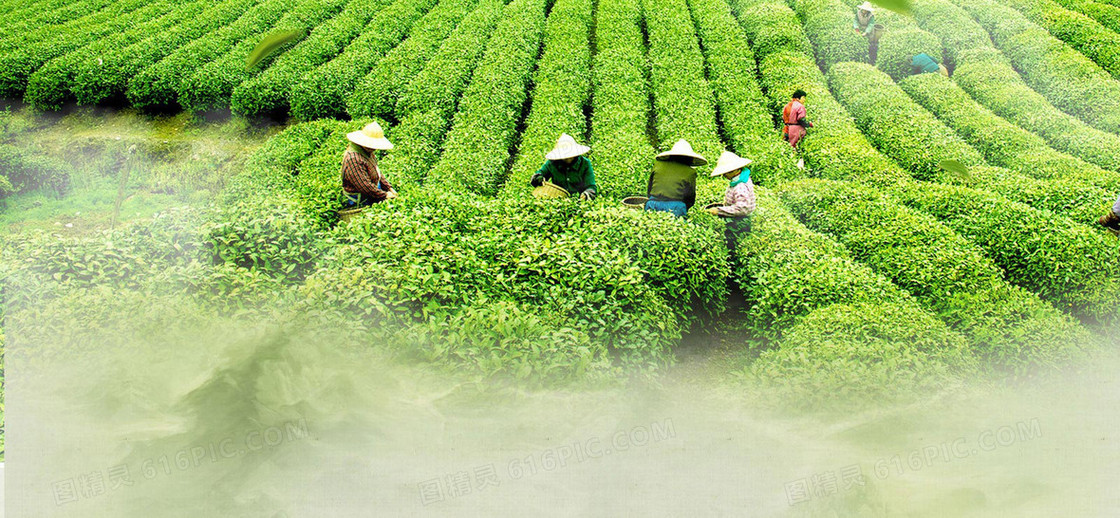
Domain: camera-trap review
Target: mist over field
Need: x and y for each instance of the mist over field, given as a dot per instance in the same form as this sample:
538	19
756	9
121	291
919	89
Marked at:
909	310
276	418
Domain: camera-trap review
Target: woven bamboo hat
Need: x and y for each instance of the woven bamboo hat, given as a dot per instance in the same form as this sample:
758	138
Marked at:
866	6
371	136
566	147
729	162
683	148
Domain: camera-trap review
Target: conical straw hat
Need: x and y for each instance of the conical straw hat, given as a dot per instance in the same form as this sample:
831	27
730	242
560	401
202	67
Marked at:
683	148
371	136
866	6
566	147
728	162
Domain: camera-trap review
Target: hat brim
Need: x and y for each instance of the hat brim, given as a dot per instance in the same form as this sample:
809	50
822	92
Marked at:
733	166
697	160
572	152
366	141
867	7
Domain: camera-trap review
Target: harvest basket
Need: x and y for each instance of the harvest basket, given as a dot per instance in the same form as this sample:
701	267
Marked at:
877	32
712	205
635	202
348	214
549	191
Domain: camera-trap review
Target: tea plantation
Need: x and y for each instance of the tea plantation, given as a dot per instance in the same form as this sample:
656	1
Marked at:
870	271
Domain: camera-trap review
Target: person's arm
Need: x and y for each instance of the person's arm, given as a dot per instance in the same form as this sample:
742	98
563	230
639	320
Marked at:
386	186
542	174
870	26
355	171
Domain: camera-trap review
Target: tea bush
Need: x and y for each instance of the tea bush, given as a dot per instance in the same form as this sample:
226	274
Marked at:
989	78
1052	68
1104	14
828	24
325	91
621	100
34	19
1081	32
834	147
898	47
157	86
37	47
1069	264
840	328
919	140
771	27
484	131
23	170
504	339
956	29
746	122
786	271
683	103
848	354
106	79
419	135
1001	142
897	126
50	86
562	88
440	84
1007	326
383	23
210	86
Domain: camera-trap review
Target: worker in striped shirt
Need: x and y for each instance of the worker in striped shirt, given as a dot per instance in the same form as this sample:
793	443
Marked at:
362	181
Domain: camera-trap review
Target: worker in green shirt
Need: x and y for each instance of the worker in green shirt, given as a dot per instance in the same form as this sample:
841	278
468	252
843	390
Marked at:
923	63
568	168
672	184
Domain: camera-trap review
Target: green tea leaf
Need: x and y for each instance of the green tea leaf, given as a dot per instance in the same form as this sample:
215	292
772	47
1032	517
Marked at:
955	167
898	6
269	45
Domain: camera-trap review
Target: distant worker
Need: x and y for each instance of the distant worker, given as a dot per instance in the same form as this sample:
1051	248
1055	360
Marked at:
672	184
1111	221
865	26
362	181
566	167
924	64
739	200
793	115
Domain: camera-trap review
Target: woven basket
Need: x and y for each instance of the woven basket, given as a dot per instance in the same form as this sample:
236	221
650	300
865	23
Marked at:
348	214
549	191
877	32
635	202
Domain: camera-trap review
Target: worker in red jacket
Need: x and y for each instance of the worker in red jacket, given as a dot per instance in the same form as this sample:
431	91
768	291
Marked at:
794	117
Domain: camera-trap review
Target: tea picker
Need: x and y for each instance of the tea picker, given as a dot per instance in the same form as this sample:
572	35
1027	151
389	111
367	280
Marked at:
672	183
866	26
739	200
925	64
795	124
362	181
565	170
